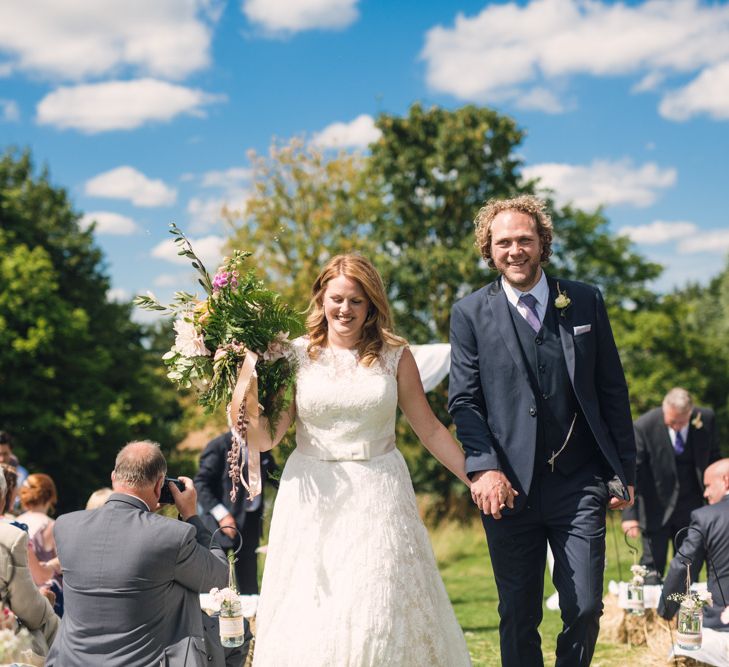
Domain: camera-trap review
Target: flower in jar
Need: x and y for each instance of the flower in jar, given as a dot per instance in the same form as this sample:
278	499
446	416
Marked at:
225	279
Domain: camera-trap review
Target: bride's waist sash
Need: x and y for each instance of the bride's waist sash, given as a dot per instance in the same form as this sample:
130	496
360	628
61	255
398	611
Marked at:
344	451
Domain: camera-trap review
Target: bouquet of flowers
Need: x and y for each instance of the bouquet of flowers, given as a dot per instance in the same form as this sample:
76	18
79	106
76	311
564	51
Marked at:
237	334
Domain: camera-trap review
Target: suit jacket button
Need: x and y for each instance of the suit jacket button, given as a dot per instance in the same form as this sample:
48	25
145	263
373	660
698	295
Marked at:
538	340
532	411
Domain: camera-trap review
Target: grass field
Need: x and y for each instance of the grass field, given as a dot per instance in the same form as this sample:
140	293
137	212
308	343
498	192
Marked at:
464	564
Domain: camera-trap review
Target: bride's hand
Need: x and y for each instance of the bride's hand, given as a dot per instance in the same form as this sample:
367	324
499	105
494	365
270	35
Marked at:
492	492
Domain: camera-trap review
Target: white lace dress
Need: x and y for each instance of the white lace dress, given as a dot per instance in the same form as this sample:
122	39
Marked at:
350	577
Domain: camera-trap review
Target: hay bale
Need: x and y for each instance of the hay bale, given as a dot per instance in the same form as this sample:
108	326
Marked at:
650	630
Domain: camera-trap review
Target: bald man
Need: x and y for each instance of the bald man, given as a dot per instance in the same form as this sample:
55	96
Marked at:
707	538
132	577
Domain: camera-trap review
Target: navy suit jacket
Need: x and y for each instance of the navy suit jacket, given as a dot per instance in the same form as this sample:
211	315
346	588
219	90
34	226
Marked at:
492	400
213	485
706	539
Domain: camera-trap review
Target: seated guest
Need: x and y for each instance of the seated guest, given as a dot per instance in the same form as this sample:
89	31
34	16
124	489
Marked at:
98	498
7	455
38	498
17	589
41	571
707	538
132	577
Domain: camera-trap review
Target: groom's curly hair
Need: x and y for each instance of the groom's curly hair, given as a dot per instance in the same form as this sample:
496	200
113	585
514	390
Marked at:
377	330
530	205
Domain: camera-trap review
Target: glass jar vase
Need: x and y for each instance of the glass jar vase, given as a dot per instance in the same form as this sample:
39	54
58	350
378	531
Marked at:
635	603
232	627
690	618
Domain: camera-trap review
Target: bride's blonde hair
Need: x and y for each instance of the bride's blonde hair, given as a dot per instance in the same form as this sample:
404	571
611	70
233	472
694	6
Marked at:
377	329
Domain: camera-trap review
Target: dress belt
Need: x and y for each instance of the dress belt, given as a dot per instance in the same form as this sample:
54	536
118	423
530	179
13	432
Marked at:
344	451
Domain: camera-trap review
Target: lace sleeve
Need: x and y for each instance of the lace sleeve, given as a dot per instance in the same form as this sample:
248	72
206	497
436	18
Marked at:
391	359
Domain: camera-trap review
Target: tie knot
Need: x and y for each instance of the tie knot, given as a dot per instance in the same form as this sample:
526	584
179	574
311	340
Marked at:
529	300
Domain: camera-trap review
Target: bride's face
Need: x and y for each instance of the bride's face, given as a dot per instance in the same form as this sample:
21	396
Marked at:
345	307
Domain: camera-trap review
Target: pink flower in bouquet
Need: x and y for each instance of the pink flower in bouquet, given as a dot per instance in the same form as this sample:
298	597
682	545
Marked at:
225	279
277	347
188	341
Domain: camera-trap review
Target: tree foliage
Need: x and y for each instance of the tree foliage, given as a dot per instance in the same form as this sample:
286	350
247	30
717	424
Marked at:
75	380
305	208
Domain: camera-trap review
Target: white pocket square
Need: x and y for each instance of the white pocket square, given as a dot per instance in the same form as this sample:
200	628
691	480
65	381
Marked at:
583	328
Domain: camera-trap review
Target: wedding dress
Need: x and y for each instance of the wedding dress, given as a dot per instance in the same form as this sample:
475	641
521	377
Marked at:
350	578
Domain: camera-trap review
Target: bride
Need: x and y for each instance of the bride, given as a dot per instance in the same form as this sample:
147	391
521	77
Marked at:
350	577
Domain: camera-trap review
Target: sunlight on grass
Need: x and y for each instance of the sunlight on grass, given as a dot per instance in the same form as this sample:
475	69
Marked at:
462	556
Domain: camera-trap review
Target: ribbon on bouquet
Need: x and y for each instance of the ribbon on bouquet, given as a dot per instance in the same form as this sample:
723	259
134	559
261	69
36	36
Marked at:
243	408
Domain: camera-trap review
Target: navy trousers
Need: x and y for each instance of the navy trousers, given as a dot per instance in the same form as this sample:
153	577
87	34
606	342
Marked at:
569	513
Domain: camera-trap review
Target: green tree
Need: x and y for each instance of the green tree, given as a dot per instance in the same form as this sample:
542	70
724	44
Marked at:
305	208
76	382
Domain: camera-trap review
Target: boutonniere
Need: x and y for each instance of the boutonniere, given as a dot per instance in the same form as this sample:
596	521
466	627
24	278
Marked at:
562	302
696	421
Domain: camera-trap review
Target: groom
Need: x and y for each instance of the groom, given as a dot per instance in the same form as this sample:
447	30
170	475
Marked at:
540	403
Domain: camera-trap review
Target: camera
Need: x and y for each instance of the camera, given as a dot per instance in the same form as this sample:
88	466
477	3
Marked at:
165	498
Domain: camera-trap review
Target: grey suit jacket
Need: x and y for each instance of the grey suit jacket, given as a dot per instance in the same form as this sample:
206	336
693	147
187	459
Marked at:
19	591
131	580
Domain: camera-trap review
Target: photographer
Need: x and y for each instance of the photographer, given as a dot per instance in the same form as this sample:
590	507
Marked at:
133	577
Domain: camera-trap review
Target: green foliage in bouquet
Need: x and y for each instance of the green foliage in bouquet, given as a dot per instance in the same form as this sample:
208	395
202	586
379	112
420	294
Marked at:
214	334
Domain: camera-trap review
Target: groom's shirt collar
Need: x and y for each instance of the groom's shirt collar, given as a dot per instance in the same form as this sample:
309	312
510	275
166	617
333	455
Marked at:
540	292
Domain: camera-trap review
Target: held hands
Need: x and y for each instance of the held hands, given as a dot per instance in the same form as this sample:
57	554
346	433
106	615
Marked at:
621	504
492	492
185	501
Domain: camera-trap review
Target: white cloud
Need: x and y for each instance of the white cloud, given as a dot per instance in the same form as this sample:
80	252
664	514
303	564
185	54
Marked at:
658	231
707	94
208	248
603	182
109	223
277	16
120	105
508	49
173	280
358	133
118	295
207	212
9	111
228	179
128	183
716	241
77	39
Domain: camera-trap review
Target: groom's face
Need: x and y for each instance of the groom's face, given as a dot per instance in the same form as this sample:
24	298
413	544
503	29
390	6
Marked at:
516	248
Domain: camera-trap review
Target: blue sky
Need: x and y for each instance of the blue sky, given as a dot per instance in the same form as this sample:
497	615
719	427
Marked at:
145	111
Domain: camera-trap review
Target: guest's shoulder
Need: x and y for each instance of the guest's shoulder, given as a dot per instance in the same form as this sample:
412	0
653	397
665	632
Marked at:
650	418
12	537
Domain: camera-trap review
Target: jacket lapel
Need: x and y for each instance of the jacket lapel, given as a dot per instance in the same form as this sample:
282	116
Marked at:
565	329
502	318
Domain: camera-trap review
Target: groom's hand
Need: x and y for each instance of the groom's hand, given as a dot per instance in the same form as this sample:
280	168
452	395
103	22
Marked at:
620	504
492	492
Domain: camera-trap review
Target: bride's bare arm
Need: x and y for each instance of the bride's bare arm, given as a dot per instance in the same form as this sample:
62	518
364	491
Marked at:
435	437
259	431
